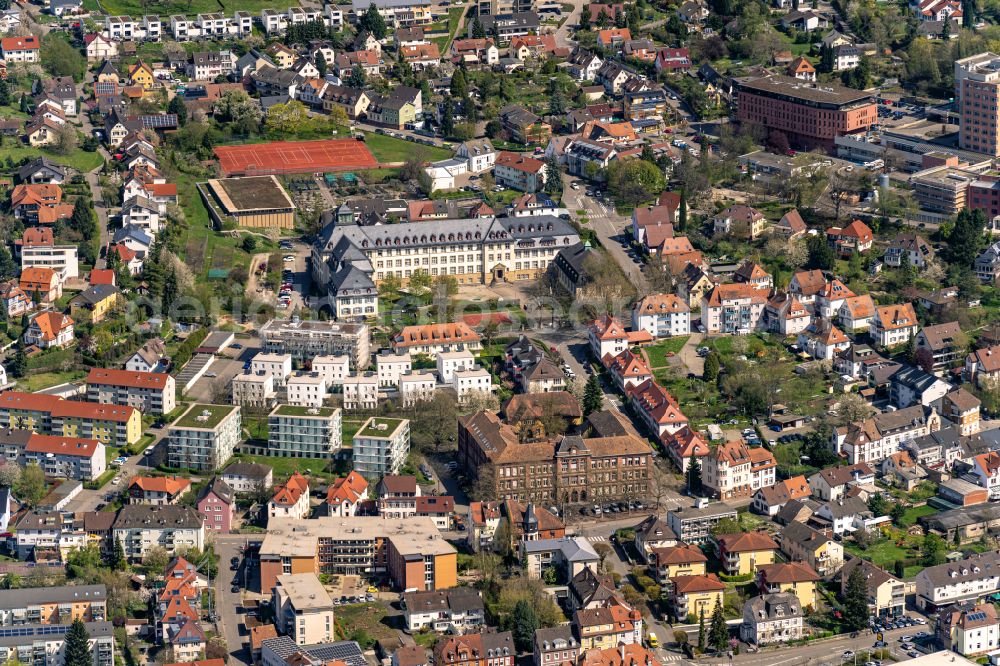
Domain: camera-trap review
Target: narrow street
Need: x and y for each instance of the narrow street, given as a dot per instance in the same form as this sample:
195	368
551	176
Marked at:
229	604
610	227
93	181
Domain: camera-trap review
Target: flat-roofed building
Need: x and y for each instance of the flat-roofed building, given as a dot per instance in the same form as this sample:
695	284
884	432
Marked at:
381	446
53	605
303	609
304	432
411	551
306	339
256	202
808	113
977	93
45	645
204	437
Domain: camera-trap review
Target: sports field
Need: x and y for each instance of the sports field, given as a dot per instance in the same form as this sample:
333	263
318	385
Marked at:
295	157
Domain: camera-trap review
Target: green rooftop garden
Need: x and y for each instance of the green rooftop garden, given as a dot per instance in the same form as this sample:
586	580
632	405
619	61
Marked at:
203	416
379	427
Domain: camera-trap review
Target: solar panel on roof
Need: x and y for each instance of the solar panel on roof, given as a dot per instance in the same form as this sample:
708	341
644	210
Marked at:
159	120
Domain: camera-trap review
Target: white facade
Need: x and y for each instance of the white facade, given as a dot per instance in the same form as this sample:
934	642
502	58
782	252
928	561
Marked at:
381	446
307	390
333	368
448	363
417	386
390	366
279	365
60	258
471	382
361	392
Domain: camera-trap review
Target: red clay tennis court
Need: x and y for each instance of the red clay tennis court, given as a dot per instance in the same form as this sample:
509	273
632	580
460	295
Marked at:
295	157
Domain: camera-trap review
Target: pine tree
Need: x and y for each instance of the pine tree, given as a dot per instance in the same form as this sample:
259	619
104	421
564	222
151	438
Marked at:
118	555
459	87
593	396
321	64
694	476
619	19
19	366
553	175
4	93
78	645
969	11
826	58
701	630
23	105
478	31
719	631
448	117
8	268
946	30
585	18
712	367
176	106
373	22
856	600
524	624
682	212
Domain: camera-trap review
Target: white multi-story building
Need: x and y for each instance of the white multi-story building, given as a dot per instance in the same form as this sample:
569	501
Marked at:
306	390
772	618
391	365
278	365
303	609
970	630
66	457
276	21
60	258
45	644
333	368
448	363
254	390
734	470
304	432
381	446
204	437
471	382
876	438
417	387
361	391
969	579
173	527
662	315
733	308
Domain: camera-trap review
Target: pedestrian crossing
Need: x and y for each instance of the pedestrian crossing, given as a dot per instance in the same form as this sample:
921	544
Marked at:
671	657
596	539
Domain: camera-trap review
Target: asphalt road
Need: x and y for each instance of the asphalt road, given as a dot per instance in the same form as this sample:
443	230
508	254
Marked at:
229	604
610	227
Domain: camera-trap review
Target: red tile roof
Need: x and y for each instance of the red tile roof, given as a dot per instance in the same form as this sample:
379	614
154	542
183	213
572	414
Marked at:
62	446
130	378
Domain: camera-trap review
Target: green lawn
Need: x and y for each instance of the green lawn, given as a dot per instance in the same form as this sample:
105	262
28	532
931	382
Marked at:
165	8
883	554
658	353
390	149
349	427
42	380
915	512
285	467
80	160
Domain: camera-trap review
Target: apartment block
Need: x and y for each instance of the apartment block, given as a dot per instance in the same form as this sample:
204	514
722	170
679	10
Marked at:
361	391
411	552
304	432
149	392
306	390
53	605
808	113
204	437
174	527
111	425
45	645
381	446
306	339
66	457
977	93
303	610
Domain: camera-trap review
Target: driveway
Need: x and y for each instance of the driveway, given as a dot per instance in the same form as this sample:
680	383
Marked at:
564	32
689	355
93	179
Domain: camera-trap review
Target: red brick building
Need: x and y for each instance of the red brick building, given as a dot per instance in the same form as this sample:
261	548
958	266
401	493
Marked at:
810	114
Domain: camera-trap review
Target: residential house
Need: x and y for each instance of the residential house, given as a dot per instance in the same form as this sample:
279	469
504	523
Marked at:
744	553
818	549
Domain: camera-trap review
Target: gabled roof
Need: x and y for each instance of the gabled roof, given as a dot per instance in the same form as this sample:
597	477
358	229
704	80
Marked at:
745	542
787	572
688	584
171	485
